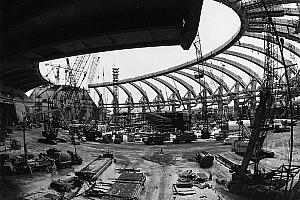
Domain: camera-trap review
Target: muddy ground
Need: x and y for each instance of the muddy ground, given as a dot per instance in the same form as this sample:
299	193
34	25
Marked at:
161	172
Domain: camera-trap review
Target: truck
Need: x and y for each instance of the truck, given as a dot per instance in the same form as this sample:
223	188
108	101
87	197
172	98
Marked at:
232	138
154	139
186	137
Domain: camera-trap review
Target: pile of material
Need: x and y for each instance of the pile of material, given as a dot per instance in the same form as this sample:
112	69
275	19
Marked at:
70	187
98	189
188	179
127	186
189	176
94	169
67	185
21	165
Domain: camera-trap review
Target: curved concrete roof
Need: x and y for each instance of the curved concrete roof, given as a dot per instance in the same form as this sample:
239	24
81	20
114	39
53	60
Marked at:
38	30
251	26
250	13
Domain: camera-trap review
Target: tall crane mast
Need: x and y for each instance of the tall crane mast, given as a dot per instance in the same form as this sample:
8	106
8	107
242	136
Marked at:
262	113
71	96
199	75
93	67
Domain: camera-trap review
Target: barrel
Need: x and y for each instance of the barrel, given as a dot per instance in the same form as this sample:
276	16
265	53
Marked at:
204	159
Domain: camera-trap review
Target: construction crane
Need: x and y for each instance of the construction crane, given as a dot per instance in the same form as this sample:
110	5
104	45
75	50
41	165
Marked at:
71	96
200	74
93	67
258	184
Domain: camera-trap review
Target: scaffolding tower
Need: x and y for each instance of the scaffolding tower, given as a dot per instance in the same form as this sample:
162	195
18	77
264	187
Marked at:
116	95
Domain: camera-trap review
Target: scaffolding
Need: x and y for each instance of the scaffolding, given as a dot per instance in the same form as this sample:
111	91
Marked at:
116	95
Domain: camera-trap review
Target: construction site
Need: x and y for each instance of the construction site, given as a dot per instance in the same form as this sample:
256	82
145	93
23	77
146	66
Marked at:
150	100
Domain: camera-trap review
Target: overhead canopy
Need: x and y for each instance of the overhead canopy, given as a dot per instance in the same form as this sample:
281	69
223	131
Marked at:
39	30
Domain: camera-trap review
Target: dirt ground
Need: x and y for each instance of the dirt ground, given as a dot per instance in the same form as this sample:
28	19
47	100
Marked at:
161	173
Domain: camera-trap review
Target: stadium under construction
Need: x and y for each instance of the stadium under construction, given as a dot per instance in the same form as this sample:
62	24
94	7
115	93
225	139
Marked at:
221	121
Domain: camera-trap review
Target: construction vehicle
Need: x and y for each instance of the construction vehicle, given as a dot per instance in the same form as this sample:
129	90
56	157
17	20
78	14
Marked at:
153	139
204	159
92	133
220	135
50	132
118	138
186	137
205	132
64	159
260	184
280	126
232	139
243	181
240	142
107	138
21	165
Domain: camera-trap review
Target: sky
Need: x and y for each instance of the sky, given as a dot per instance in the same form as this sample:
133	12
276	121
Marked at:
217	24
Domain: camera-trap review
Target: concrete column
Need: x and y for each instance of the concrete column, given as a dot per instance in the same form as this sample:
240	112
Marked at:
220	102
129	115
173	107
158	109
143	108
101	108
188	104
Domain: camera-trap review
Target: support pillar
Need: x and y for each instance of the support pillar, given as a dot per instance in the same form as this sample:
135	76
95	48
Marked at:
173	107
129	116
101	108
158	109
188	96
220	102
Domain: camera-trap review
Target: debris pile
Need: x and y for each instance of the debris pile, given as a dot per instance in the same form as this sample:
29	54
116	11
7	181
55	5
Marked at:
127	186
22	164
71	186
188	179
